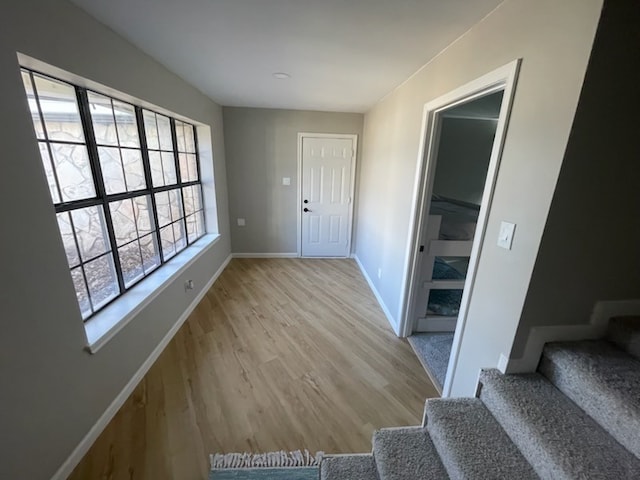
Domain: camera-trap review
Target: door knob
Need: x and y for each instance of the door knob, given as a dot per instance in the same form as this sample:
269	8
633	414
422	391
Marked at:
306	201
306	209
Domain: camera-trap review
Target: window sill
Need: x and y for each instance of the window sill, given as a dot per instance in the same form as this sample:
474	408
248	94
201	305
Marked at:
104	325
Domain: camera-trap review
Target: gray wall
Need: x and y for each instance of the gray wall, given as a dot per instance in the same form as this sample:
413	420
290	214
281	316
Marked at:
590	249
463	158
261	148
52	391
554	40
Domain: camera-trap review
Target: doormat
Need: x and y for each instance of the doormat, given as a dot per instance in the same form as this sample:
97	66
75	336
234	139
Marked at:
298	465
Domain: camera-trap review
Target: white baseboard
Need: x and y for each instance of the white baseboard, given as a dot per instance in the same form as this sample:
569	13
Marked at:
74	459
265	255
373	288
538	336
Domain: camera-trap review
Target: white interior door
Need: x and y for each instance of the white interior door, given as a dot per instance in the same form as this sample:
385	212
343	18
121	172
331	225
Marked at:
326	196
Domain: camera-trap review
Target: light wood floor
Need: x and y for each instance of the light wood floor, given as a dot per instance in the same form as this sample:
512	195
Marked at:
280	354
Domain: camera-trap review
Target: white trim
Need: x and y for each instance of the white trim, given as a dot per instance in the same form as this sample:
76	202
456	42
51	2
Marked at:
354	139
436	324
104	325
602	312
501	79
265	255
83	447
373	288
470	117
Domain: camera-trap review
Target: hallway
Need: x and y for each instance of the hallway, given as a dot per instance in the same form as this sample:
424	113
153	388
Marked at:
280	354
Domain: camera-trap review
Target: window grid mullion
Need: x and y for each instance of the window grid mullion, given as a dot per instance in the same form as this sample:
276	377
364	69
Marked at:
176	158
102	198
146	165
81	264
115	126
94	159
47	142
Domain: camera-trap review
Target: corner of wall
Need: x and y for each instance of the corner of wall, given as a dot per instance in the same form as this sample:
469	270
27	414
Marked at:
390	318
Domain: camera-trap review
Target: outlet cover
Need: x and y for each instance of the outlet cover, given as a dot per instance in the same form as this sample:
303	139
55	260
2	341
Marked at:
505	237
241	222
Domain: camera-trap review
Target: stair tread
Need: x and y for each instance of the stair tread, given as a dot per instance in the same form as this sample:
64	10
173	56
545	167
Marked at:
602	380
625	333
348	467
471	443
558	438
406	454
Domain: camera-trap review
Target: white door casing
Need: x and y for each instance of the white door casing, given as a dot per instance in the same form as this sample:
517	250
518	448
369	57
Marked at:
503	78
326	194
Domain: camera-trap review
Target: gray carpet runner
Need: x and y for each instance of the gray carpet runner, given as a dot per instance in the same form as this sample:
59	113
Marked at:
433	351
578	417
470	442
603	381
406	454
344	467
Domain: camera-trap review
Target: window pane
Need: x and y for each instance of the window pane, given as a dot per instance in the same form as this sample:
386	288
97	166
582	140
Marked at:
444	302
450	268
187	195
169	168
133	169
195	226
157	176
169	206
192	199
188	167
150	253
144	217
48	170
180	136
102	280
175	201
191	228
151	129
124	222
81	292
66	231
104	125
166	237
111	170
127	124
164	132
200	228
131	263
179	235
91	232
189	138
59	109
33	105
162	206
74	171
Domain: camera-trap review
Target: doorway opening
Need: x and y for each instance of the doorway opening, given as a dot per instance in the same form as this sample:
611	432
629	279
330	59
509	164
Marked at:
463	137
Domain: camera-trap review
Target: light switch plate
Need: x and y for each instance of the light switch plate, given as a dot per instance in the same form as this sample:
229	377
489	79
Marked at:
241	222
286	181
505	237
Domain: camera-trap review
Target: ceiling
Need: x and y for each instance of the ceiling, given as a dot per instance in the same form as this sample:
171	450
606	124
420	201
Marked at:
342	55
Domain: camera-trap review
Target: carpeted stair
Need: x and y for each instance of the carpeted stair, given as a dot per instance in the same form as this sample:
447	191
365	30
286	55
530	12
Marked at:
578	417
